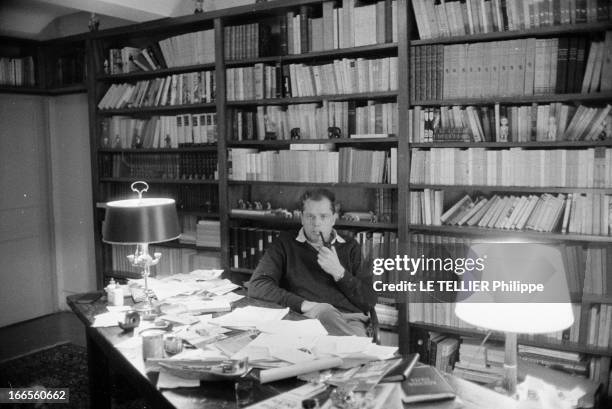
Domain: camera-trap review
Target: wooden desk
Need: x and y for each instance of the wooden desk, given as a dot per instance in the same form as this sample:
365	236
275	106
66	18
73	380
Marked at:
103	355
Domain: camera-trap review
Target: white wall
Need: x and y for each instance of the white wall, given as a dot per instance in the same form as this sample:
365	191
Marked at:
71	195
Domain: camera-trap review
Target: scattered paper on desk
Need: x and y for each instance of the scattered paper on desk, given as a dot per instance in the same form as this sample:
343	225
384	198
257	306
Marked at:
230	297
182	319
303	327
197	353
250	316
168	381
352	347
341	345
224	288
206	275
293	356
167	289
108	319
118	308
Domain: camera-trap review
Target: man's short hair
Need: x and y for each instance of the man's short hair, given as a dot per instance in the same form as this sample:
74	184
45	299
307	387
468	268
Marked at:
318	194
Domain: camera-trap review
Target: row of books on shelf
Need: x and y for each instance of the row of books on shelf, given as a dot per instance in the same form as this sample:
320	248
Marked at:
202	233
456	18
348	165
201	198
185	166
329	120
582	168
350	25
248	245
385	205
346	76
585	264
586	270
591	324
129	59
572	213
387	314
17	71
173	131
244	41
509	68
483	362
173	260
177	51
177	89
526	123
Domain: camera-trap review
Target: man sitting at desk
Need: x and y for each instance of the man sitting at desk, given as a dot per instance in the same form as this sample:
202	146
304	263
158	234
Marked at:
317	273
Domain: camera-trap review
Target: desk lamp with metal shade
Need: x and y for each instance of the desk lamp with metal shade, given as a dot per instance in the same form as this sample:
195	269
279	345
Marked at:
539	313
140	222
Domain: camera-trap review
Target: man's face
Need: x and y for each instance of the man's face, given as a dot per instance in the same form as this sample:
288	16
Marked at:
318	217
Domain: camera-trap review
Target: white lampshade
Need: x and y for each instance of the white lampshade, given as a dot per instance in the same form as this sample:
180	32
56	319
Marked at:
541	312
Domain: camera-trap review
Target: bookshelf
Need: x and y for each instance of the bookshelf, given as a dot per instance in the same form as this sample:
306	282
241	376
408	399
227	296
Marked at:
477	43
53	67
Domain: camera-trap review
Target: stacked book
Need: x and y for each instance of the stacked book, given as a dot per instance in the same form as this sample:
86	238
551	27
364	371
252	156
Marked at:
456	18
208	233
17	71
522	67
346	76
479	362
129	59
583	168
570	362
188	228
173	261
443	351
572	213
599	329
387	314
178	51
247	41
350	25
310	164
536	122
187	166
426	207
248	245
159	131
177	89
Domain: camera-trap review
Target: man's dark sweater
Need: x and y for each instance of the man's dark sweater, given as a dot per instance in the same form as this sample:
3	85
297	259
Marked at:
289	273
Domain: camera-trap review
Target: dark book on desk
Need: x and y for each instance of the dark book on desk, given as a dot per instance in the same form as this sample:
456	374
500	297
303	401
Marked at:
402	370
426	383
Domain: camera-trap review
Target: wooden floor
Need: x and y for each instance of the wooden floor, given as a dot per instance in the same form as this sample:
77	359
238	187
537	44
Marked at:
28	336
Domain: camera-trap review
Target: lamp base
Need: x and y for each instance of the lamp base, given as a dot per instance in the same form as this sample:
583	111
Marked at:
510	363
146	309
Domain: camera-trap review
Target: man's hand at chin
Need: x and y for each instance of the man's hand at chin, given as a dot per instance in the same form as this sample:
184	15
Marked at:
329	262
